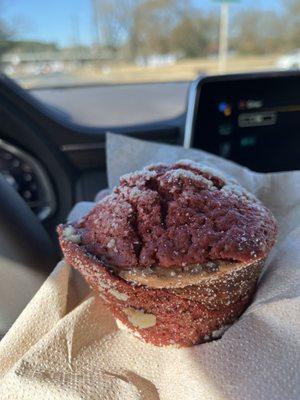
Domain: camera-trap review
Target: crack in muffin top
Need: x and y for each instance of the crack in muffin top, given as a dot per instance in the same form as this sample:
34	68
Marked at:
177	215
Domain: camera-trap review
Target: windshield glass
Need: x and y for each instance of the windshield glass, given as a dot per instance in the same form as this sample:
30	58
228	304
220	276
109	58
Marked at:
78	42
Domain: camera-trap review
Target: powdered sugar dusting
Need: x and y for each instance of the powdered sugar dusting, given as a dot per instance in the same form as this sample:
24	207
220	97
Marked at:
137	178
168	316
202	168
173	220
177	215
178	174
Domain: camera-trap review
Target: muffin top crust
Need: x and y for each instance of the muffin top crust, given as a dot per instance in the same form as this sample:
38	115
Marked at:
177	215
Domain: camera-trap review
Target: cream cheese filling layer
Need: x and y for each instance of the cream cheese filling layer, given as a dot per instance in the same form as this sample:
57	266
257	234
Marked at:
157	278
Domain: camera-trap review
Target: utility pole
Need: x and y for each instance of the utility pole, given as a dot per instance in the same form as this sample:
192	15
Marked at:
95	24
223	34
75	29
223	37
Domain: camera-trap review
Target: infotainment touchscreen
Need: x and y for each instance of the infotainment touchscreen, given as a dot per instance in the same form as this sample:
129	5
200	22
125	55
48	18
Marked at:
251	119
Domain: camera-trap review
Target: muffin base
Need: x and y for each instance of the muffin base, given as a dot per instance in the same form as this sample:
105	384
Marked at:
180	316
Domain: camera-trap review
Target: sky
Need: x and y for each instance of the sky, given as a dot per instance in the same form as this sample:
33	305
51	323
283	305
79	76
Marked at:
56	20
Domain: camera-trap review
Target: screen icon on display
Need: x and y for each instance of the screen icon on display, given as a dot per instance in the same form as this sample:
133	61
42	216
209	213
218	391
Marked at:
225	149
225	130
248	141
225	108
249	104
242	105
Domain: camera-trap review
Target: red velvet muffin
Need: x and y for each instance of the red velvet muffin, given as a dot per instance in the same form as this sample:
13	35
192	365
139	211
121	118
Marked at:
175	251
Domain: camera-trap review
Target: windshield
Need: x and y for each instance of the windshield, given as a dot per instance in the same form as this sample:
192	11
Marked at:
78	42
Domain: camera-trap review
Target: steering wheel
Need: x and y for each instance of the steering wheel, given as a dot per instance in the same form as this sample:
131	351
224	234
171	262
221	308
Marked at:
27	254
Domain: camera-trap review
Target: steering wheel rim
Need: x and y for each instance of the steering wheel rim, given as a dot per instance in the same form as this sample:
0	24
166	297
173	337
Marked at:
22	237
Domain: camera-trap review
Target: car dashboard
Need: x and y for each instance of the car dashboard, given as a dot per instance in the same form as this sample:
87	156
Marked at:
54	163
252	119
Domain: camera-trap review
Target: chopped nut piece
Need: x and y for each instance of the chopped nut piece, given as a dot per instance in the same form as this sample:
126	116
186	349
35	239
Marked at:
140	319
118	295
69	233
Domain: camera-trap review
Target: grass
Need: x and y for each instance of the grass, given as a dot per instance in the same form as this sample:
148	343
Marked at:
184	70
181	71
